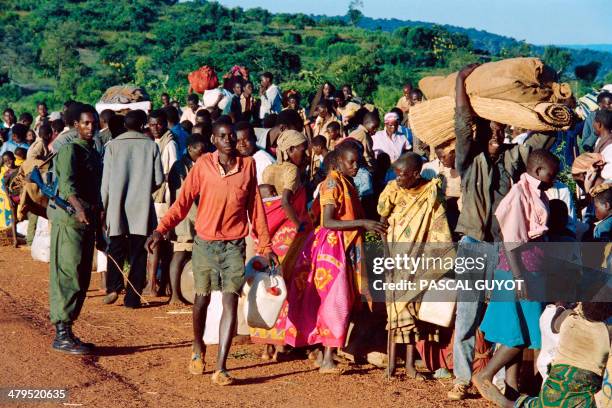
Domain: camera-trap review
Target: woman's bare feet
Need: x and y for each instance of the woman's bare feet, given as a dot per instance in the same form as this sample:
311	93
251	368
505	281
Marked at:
152	289
268	353
490	392
177	301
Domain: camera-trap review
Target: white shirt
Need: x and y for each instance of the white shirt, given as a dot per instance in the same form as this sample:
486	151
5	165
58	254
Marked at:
606	172
189	115
262	137
550	341
262	160
270	101
394	146
168	157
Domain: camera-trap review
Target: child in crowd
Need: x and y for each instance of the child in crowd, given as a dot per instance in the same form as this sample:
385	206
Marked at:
329	163
443	167
20	156
9	168
576	371
17	139
557	222
8	163
334	134
325	116
602	200
602	126
292	101
184	232
30	137
514	324
414	209
267	191
319	151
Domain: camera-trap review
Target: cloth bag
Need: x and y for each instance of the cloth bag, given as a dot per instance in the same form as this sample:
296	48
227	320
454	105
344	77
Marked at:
203	79
41	244
438	308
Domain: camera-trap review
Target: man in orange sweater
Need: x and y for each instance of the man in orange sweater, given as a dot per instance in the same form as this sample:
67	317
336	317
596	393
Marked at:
226	185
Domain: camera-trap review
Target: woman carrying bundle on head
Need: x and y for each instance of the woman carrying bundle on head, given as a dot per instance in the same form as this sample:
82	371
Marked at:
286	215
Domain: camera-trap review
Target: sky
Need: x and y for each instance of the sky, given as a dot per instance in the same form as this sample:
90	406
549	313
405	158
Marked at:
540	22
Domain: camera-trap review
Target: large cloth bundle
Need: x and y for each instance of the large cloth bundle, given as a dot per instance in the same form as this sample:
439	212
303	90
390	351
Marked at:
31	199
520	92
211	97
203	79
433	121
542	116
523	80
124	94
124	97
587	162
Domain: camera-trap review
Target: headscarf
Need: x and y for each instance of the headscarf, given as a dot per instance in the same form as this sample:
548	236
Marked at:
600	188
391	117
287	140
238	70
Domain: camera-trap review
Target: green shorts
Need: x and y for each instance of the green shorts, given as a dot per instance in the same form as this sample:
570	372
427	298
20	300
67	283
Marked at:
218	265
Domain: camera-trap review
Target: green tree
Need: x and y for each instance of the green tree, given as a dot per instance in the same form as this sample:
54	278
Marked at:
557	58
520	49
59	52
587	72
354	13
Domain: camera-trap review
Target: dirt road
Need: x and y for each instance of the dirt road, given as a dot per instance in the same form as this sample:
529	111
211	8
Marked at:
142	359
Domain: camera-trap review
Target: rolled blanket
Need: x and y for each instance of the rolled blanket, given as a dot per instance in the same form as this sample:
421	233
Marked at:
556	115
144	106
540	117
522	80
561	91
124	94
433	121
587	162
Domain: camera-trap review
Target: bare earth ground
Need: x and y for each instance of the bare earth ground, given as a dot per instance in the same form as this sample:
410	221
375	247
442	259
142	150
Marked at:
143	354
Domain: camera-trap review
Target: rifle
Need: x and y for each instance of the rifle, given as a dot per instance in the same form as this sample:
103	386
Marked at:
50	191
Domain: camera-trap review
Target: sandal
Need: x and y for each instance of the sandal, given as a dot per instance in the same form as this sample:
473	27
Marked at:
196	365
314	354
417	376
222	378
331	370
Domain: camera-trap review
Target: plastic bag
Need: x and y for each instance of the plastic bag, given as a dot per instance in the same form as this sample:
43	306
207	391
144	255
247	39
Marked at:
41	245
203	79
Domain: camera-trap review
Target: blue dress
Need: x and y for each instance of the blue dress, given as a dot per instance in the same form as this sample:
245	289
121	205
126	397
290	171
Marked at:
510	322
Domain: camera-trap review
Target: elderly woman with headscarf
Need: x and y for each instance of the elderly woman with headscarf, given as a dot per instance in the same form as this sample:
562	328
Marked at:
286	213
390	140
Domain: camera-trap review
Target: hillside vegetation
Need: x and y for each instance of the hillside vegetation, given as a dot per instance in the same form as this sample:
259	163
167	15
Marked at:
59	49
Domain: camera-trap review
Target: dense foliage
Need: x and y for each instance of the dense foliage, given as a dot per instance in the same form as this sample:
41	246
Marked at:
60	49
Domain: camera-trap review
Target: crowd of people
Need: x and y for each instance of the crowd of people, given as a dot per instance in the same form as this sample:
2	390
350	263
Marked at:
305	185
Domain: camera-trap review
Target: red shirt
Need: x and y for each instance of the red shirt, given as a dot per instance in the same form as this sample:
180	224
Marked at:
227	202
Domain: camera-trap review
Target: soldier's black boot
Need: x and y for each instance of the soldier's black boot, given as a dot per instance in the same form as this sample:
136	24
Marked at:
65	343
90	346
